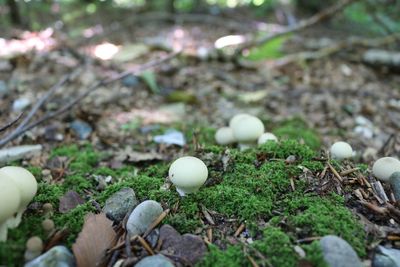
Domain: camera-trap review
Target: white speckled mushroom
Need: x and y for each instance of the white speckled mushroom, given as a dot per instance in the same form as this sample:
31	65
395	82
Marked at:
224	136
188	174
341	150
246	130
265	137
383	168
9	204
27	186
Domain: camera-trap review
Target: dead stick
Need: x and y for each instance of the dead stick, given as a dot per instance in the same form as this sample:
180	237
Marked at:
335	172
252	261
145	245
156	222
239	230
325	14
11	123
347	172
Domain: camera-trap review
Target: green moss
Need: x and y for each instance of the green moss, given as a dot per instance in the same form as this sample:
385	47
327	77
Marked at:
231	257
277	247
314	254
83	159
287	148
296	129
49	193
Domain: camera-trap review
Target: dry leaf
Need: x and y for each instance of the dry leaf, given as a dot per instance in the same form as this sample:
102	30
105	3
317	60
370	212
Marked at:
69	201
96	237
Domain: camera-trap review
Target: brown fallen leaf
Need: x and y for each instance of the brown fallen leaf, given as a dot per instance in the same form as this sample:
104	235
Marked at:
70	200
96	237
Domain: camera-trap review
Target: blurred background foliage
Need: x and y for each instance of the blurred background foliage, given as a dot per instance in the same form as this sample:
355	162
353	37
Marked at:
371	15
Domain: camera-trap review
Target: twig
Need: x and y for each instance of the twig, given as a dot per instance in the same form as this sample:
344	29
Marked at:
156	222
252	261
84	94
335	172
239	230
323	15
11	123
347	172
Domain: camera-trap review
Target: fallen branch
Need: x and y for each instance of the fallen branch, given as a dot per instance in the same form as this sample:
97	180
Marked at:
11	123
323	15
20	130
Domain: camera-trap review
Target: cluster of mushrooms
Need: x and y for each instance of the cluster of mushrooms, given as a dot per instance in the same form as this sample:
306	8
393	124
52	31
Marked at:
17	188
244	129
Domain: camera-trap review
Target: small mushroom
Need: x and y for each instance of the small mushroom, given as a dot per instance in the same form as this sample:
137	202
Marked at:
9	204
246	130
34	247
237	117
48	225
188	174
341	150
27	186
265	137
224	136
384	167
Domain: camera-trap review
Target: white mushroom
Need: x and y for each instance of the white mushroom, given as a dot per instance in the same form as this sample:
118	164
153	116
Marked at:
27	186
224	136
265	137
341	150
246	130
188	174
34	247
383	168
237	117
9	204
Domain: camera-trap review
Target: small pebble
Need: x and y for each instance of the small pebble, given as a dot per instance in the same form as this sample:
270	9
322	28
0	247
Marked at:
155	261
338	253
20	104
386	257
58	256
119	204
81	128
130	81
143	216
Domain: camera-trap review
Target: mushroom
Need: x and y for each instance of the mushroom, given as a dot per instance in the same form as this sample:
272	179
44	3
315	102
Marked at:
34	247
265	137
341	150
384	167
224	136
9	204
246	130
237	117
188	174
27	186
48	225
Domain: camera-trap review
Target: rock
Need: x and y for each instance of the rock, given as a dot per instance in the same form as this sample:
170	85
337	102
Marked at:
338	253
386	257
19	152
58	256
119	204
155	261
171	137
382	58
3	88
130	81
395	184
152	238
81	129
189	247
143	216
20	104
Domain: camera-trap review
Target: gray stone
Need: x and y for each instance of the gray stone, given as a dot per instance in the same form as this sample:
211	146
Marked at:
58	256
152	238
20	104
119	204
395	184
19	152
143	216
130	81
386	257
338	253
81	129
155	261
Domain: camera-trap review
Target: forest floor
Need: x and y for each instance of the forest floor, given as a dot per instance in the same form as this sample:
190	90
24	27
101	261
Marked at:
316	103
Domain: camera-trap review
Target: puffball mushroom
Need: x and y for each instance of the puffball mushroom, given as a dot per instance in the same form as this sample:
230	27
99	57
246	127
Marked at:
237	117
265	137
341	150
383	168
188	174
224	136
27	186
9	204
247	129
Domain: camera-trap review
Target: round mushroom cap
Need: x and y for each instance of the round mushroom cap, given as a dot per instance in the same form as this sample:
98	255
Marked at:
34	244
265	137
48	225
9	199
383	168
24	180
237	117
341	150
224	136
247	129
188	173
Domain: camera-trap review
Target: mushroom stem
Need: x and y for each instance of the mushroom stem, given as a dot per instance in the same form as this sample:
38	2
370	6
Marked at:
245	146
3	232
13	222
180	192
